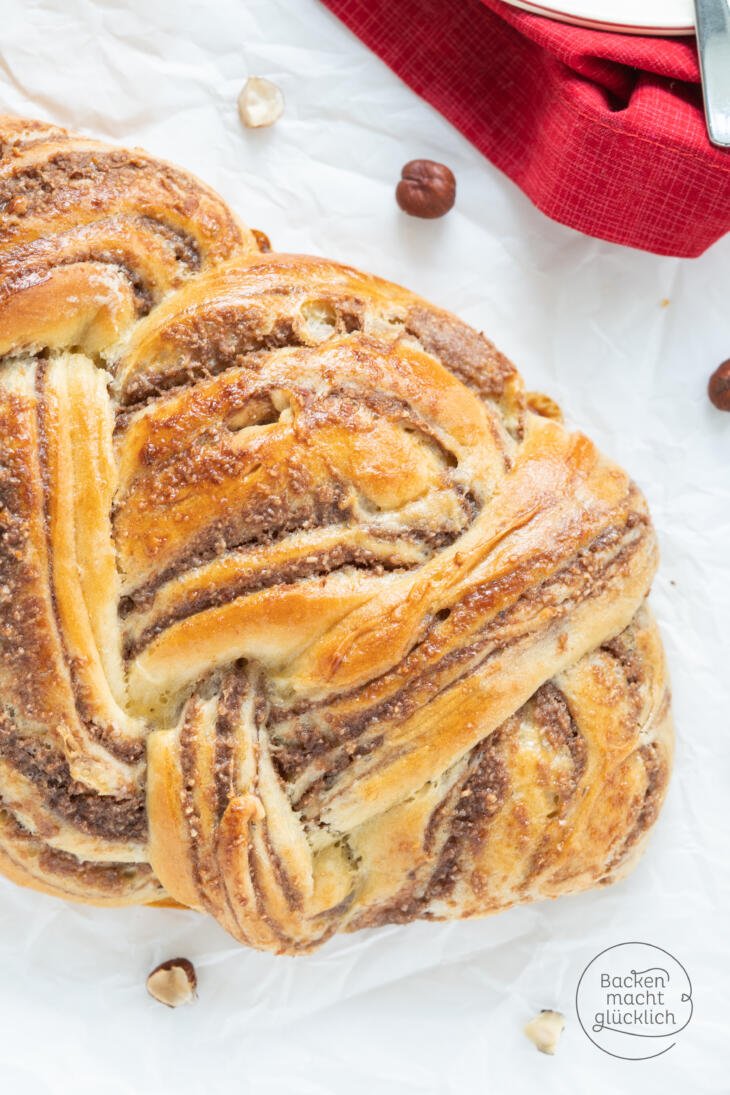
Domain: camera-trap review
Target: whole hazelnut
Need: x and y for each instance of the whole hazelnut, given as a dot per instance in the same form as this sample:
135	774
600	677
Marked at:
173	982
261	102
426	189
718	388
545	1029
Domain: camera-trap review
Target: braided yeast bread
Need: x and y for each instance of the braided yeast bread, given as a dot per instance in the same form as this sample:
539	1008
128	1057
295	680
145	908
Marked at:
310	617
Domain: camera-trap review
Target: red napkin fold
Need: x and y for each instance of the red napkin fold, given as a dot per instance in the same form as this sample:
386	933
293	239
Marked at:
604	132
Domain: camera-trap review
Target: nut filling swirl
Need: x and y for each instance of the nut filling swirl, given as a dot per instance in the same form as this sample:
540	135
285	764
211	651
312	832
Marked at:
308	619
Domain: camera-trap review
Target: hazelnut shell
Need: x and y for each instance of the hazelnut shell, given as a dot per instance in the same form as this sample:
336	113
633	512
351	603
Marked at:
718	388
427	189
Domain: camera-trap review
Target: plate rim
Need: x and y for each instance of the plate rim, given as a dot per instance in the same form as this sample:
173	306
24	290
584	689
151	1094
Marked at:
589	20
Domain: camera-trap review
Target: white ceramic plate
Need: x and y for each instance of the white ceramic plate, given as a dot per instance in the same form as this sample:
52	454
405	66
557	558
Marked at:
628	16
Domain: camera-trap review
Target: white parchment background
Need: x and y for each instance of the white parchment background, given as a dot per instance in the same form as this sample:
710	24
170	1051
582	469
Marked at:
427	1009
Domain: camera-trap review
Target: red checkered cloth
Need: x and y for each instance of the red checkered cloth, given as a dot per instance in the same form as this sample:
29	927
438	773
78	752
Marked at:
604	132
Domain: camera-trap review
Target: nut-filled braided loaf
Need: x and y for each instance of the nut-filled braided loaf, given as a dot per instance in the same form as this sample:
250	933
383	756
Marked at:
310	617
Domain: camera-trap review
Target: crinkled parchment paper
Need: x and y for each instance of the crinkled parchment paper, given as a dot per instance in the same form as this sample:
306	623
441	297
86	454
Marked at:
625	341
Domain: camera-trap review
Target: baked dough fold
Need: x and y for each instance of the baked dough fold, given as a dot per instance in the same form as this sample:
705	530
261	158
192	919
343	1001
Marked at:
310	616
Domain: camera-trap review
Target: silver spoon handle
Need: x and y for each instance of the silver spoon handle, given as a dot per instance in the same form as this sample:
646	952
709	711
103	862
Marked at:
713	43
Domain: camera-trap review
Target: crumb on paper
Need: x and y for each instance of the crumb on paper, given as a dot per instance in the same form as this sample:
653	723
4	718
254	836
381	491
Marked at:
665	302
545	1029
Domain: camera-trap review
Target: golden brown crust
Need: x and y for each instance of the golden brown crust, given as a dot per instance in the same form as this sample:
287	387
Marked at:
288	553
109	231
